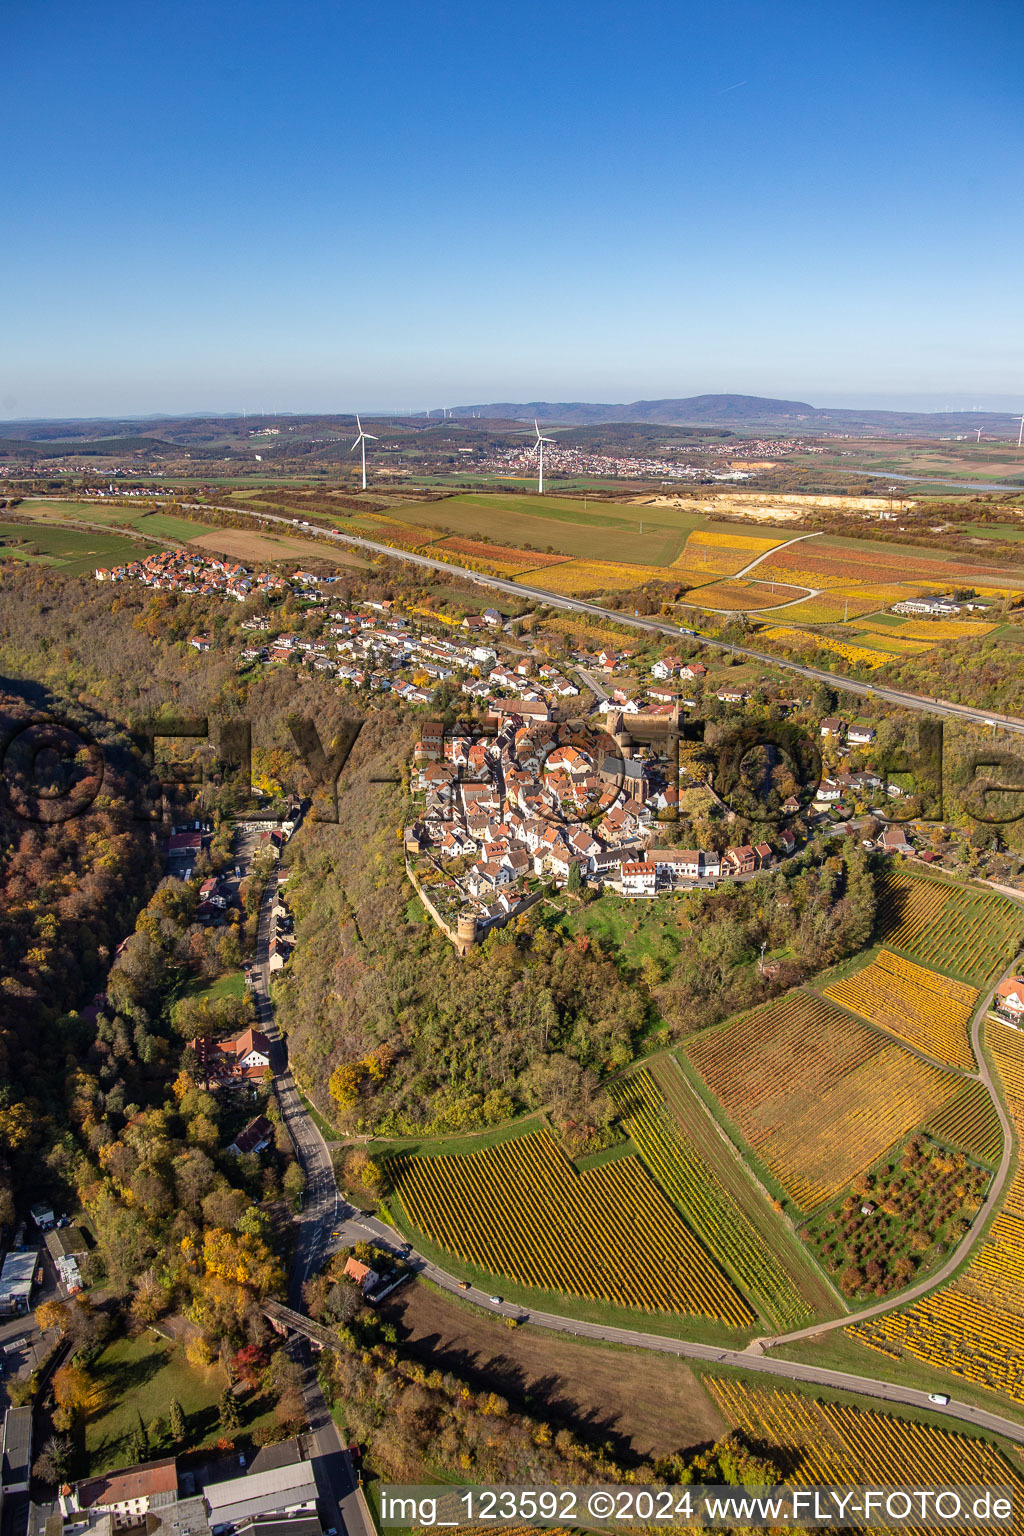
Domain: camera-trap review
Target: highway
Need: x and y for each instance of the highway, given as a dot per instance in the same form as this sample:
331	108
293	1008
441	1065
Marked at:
649	625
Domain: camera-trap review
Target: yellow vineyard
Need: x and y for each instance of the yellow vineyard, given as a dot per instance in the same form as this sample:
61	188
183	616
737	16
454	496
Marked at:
738	595
960	928
919	1006
830	1443
857	655
974	1328
933	630
575	577
520	1209
817	1095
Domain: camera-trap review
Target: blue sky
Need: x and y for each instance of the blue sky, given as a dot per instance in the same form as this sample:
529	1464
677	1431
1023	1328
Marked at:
322	206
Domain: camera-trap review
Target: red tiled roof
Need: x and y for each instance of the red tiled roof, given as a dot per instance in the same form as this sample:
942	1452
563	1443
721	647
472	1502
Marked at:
129	1483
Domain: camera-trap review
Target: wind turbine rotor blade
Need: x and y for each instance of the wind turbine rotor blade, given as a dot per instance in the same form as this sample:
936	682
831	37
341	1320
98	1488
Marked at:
371	437
355	445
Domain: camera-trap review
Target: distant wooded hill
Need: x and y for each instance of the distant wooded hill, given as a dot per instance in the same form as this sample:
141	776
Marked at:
746	411
293	433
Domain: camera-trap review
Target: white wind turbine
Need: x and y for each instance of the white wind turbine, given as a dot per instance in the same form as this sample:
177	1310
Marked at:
1020	434
980	431
539	451
363	438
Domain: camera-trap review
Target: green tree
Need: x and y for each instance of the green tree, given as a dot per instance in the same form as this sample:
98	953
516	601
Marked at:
178	1421
227	1409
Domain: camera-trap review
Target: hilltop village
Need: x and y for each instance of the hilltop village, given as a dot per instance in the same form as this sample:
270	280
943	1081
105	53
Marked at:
507	814
512	802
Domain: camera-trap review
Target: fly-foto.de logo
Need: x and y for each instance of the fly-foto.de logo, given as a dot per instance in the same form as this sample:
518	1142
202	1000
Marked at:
52	769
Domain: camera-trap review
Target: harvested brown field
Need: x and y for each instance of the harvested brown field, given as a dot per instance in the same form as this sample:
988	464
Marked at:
266	547
646	1404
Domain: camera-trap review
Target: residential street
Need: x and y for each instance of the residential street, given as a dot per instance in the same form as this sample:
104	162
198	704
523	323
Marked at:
335	1475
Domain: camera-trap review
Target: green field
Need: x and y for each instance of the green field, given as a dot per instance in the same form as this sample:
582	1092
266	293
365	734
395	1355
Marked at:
231	985
605	531
74	551
160	525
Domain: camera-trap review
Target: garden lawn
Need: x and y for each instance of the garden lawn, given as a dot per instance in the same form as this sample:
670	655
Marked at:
230	985
141	1376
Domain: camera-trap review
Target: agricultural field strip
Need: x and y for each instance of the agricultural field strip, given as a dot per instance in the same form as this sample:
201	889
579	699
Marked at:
969	1123
520	1209
974	1327
855	654
693	1120
744	595
835	1443
686	1178
816	1094
923	1009
966	931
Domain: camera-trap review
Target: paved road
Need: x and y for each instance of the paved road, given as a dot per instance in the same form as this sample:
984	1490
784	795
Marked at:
337	1484
336	1479
594	683
368	1227
320	1205
653	626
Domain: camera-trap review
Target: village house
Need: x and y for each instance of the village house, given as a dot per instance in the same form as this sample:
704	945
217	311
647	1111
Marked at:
365	1277
860	734
243	1058
638	879
256	1136
739	861
1009	998
126	1494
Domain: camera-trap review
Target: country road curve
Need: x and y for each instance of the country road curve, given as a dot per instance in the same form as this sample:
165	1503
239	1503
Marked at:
650	625
365	1227
325	1213
776	549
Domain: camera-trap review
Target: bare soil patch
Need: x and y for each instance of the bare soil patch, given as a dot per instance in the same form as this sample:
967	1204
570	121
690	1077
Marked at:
774	507
645	1404
265	547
